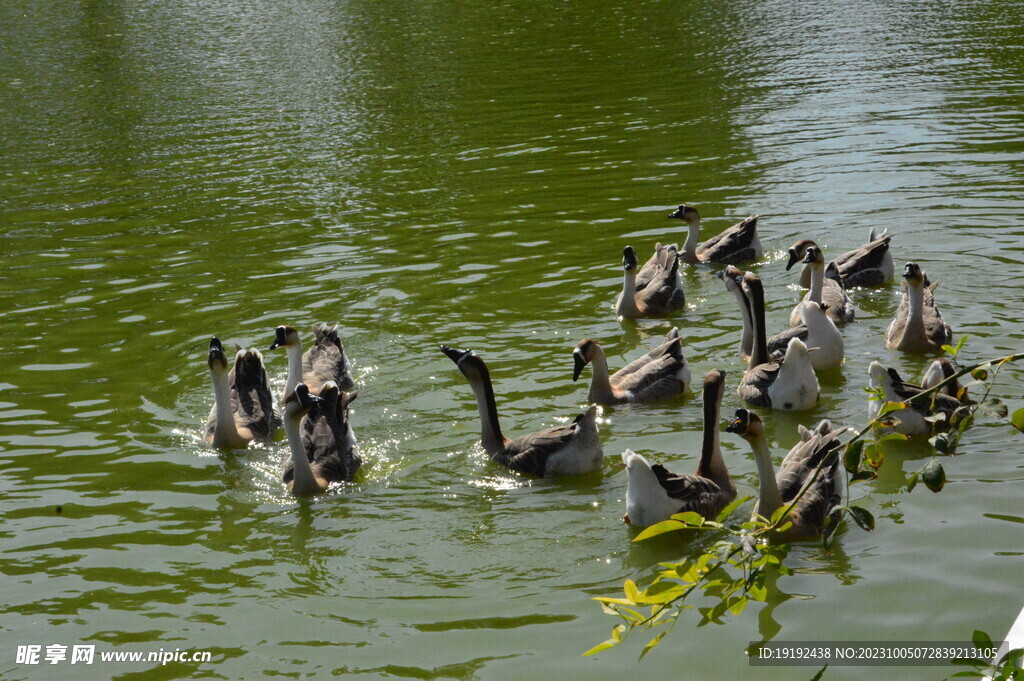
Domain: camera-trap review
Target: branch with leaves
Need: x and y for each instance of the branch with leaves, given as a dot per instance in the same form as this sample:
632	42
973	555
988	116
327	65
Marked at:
734	571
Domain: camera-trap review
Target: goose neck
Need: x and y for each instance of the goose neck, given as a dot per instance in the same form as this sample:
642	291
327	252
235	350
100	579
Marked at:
490	430
712	465
225	432
627	301
692	237
817	282
303	482
294	353
769	497
600	381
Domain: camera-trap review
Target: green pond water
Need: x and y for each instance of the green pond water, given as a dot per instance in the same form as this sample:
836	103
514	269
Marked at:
468	174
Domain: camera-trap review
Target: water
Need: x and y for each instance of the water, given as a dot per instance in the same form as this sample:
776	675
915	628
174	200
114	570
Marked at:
469	175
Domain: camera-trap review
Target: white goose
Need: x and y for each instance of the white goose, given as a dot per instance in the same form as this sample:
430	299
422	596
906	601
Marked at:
562	450
654	494
818	332
243	408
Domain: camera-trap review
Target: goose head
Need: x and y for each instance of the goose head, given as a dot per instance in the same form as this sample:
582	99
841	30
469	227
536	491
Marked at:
798	250
468	362
813	255
629	260
878	376
747	424
913	274
686	213
217	360
285	336
299	402
730	275
583	355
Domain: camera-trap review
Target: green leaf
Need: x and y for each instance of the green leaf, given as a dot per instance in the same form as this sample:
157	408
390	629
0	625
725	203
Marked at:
817	677
1017	420
1011	657
660	528
737	605
863	475
981	639
874	456
912	481
612	601
967	674
863	517
728	510
780	512
954	351
610	643
689	518
933	475
892	436
890	407
831	525
851	457
664	592
632	593
651	644
980	374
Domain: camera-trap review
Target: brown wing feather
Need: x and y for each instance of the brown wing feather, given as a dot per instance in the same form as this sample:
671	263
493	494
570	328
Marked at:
325	360
753	388
530	453
736	238
250	395
867	257
695	493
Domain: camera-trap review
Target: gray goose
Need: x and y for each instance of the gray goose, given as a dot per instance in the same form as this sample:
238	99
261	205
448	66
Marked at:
776	491
562	450
866	266
243	408
737	244
327	437
918	327
828	293
307	473
654	494
661	374
657	298
660	268
324	361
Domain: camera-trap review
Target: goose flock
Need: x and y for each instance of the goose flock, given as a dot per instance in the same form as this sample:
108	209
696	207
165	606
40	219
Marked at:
782	373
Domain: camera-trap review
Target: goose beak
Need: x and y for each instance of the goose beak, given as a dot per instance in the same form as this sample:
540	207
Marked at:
279	340
453	354
578	364
677	213
793	259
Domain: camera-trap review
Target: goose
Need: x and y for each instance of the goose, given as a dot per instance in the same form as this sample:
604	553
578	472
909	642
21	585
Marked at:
661	374
324	361
737	244
658	298
918	327
654	494
732	275
562	450
327	437
938	371
866	266
243	408
816	330
912	418
322	456
828	293
790	384
660	268
776	491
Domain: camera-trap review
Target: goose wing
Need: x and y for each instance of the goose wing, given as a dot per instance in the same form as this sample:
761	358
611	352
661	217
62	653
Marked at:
694	493
927	404
251	399
732	246
778	343
838	306
326	360
753	388
661	262
671	339
530	453
867	257
797	470
662	294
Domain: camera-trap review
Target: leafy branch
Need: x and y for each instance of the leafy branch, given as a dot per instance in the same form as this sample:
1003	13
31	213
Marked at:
736	569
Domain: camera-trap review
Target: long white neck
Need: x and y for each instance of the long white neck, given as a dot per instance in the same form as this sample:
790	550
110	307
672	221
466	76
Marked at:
490	431
627	301
769	498
225	432
294	367
692	238
747	339
600	382
817	282
915	300
303	482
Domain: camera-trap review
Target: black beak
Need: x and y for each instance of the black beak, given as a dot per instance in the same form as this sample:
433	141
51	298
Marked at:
739	424
793	259
216	349
453	354
578	364
908	270
677	213
809	256
279	339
